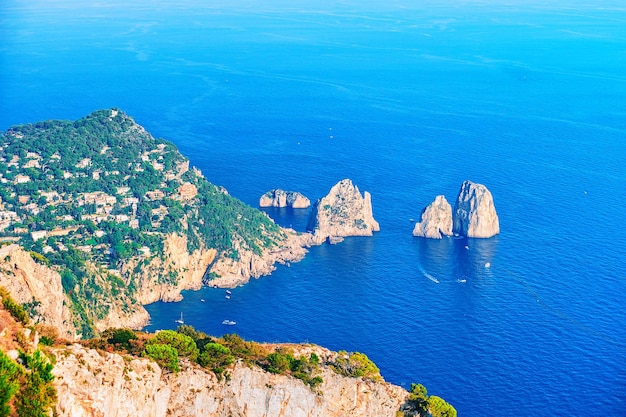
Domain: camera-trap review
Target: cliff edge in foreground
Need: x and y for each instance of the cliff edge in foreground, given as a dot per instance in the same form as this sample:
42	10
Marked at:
189	373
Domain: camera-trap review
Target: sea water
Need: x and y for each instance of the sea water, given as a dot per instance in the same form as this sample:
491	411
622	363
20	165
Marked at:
407	99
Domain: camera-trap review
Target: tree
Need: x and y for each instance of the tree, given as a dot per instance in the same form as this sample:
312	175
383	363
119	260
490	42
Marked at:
278	363
216	357
419	397
120	336
164	355
438	407
9	373
37	394
184	345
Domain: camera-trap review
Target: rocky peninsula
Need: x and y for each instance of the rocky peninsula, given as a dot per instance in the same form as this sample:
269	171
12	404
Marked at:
474	215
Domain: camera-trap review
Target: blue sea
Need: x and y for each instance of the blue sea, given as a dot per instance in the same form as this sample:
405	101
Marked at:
408	99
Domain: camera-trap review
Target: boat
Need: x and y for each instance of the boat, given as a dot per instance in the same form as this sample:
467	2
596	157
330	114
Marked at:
229	323
227	297
202	299
228	292
180	320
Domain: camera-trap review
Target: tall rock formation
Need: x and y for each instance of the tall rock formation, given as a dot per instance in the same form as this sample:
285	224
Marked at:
474	212
281	198
343	212
436	220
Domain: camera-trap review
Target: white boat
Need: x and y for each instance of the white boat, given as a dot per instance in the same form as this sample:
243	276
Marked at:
180	320
227	297
229	323
228	292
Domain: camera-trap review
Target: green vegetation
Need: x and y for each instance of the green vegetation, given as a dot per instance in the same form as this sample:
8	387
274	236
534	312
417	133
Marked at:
356	365
168	348
165	356
102	194
26	388
9	382
37	395
17	311
423	403
303	368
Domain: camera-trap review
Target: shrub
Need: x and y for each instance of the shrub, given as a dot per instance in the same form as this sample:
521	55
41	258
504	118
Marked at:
119	336
356	365
15	309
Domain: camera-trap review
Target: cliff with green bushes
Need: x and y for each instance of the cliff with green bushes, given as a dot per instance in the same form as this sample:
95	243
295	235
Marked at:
189	373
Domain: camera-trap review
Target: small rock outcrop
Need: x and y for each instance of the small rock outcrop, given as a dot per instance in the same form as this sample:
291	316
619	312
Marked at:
343	212
281	198
474	212
436	220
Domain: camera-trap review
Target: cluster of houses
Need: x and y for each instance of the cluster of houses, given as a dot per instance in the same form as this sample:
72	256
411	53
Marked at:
121	207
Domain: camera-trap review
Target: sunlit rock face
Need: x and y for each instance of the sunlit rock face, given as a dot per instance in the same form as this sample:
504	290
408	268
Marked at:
343	212
436	220
474	212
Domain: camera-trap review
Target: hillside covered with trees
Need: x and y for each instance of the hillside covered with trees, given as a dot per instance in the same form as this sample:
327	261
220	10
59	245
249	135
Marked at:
93	196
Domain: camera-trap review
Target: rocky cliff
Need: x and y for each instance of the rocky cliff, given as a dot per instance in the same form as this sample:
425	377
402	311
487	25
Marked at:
163	278
474	212
91	382
39	287
343	212
281	198
436	220
30	282
234	272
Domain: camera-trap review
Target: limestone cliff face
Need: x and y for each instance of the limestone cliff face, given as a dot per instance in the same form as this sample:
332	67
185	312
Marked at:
28	281
436	220
231	272
474	212
164	277
281	198
31	282
97	383
343	212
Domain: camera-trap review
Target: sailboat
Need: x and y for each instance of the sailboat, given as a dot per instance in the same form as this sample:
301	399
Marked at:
180	320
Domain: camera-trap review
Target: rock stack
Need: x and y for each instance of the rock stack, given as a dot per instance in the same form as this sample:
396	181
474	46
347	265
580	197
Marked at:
436	220
343	212
474	215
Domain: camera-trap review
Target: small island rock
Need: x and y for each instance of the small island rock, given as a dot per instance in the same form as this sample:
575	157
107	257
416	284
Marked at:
281	198
436	220
474	212
343	212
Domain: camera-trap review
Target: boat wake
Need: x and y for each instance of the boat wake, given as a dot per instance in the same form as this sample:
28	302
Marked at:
427	275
